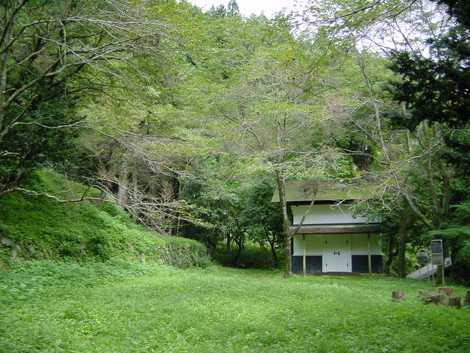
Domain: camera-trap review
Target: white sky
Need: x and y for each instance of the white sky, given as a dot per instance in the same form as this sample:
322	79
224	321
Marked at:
249	7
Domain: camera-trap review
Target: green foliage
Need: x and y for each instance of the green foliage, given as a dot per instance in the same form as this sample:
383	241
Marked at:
456	234
261	221
186	137
121	307
48	50
436	89
234	210
252	256
44	228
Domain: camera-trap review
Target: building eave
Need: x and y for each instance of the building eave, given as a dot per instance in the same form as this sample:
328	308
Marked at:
323	190
336	229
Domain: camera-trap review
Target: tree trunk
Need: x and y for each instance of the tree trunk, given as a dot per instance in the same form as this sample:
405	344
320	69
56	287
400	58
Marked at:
123	183
239	241
455	302
398	295
273	253
211	246
238	254
392	252
467	298
402	238
405	223
281	187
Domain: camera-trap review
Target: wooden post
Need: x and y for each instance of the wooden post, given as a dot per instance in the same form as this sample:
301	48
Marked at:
437	255
443	271
467	298
281	187
369	257
304	258
447	291
440	281
398	295
455	302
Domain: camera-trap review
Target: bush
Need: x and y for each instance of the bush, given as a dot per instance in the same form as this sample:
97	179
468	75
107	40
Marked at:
251	257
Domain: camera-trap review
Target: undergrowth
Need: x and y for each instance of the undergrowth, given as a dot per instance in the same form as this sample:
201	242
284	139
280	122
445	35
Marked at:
115	307
39	227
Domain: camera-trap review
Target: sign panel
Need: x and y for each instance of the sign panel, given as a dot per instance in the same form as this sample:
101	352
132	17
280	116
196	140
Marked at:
437	252
436	246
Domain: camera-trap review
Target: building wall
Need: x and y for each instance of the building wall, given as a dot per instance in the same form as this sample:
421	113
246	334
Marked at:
354	253
313	243
325	214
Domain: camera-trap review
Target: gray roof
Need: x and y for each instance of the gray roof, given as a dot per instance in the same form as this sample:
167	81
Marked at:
324	191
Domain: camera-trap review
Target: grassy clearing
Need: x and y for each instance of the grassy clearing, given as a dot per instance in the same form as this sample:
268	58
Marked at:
103	307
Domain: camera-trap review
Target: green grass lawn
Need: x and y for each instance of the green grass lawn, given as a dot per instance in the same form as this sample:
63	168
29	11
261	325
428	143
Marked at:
148	308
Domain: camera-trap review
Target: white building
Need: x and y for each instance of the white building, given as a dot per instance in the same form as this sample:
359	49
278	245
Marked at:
327	235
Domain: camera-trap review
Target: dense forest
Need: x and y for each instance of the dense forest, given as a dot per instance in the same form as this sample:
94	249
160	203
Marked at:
190	119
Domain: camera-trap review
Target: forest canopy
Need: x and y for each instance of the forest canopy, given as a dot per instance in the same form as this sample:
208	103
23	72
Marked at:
190	119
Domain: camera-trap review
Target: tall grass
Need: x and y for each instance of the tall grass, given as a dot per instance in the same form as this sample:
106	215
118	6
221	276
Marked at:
122	307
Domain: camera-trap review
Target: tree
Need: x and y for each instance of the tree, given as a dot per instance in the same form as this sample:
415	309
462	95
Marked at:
273	110
414	199
232	8
414	176
436	89
150	134
261	218
50	55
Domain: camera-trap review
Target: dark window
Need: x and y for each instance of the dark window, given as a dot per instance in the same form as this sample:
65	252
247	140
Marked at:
360	263
314	264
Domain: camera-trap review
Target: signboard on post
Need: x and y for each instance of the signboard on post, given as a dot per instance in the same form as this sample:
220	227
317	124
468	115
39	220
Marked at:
437	256
437	252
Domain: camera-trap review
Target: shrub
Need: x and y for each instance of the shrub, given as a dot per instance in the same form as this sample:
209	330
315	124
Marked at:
251	257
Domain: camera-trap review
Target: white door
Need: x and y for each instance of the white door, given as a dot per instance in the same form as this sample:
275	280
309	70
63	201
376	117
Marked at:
336	254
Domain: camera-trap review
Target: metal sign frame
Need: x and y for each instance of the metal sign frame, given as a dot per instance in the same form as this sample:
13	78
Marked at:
437	252
437	255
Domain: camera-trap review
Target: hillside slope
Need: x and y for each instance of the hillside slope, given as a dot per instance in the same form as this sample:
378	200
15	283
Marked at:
40	227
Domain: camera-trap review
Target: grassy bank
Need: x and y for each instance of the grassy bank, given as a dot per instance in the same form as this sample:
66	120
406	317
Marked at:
40	227
103	307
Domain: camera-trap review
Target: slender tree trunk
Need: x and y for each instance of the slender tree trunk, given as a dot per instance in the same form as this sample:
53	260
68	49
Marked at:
240	241
392	252
211	246
273	253
405	223
9	22
402	237
238	254
123	183
178	197
281	187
